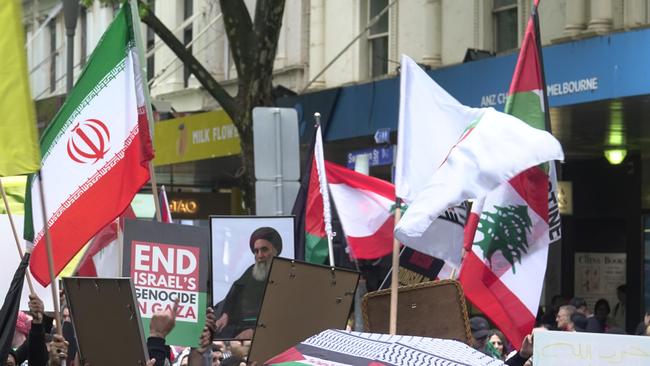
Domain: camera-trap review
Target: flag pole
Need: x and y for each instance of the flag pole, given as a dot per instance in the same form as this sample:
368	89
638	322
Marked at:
15	232
50	257
394	283
137	35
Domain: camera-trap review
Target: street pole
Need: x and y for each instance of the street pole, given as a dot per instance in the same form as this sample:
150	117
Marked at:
70	14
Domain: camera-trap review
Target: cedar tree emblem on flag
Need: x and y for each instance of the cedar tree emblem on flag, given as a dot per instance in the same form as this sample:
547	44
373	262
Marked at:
505	231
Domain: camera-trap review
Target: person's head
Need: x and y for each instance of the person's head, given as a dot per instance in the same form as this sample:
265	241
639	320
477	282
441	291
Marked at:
11	359
480	330
498	341
620	293
580	305
563	317
579	322
601	310
265	244
65	314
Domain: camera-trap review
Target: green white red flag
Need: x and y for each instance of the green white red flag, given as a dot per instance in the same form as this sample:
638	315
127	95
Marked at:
318	219
509	230
95	153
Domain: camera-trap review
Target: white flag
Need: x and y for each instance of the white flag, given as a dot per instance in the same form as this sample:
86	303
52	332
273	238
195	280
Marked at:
491	151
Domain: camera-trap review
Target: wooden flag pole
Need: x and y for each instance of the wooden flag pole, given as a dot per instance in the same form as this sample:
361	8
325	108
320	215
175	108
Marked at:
13	228
50	257
394	283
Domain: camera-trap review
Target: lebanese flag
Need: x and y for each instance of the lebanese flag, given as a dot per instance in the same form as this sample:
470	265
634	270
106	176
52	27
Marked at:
363	204
95	153
509	230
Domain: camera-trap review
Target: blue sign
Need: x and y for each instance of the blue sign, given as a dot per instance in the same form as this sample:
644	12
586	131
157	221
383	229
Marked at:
382	136
382	155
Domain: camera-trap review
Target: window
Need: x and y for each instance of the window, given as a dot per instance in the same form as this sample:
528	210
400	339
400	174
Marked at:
378	38
151	39
188	10
53	53
505	25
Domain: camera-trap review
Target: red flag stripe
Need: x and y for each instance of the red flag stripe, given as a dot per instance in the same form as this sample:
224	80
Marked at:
527	76
532	186
495	300
337	174
375	246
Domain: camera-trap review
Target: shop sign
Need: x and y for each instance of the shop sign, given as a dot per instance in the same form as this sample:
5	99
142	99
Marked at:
195	137
198	206
382	155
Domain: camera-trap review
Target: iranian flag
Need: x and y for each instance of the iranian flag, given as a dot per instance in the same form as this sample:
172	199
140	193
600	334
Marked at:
509	230
363	204
94	154
318	219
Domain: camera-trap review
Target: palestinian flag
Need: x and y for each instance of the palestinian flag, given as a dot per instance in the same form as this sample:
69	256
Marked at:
363	204
509	231
95	153
311	237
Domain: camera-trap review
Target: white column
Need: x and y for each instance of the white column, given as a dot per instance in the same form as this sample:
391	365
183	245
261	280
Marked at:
317	42
171	14
635	13
576	17
433	33
601	16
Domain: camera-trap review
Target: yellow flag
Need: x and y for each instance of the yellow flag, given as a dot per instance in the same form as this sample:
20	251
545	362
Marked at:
19	149
15	191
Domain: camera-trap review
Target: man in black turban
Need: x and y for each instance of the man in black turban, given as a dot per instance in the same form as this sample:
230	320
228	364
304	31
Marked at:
242	304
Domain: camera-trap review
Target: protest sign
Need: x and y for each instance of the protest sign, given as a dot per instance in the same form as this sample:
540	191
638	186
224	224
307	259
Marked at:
235	290
590	349
169	261
118	321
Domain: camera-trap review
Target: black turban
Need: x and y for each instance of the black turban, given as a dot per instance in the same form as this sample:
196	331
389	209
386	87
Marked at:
267	233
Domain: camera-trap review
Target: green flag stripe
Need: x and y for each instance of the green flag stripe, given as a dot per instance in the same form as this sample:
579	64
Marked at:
527	106
315	248
102	62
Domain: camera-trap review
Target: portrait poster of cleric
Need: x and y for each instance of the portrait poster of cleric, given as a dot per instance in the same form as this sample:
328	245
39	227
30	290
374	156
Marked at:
242	250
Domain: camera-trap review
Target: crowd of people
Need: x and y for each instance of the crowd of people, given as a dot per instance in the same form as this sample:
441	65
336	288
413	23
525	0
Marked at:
37	342
562	315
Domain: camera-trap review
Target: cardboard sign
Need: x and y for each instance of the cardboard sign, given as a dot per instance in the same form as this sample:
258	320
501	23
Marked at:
590	349
169	261
104	315
300	300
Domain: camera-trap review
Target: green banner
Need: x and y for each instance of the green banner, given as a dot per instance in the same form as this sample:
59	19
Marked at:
195	137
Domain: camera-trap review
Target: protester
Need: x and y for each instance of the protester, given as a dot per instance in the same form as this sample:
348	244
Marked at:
643	325
242	304
22	329
57	351
498	342
563	318
160	326
579	322
619	308
599	322
519	358
581	306
480	330
550	316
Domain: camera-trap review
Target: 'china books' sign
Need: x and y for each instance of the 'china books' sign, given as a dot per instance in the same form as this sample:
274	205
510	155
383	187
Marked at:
166	262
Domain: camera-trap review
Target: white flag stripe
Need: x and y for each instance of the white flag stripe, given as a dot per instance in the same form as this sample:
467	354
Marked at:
430	122
322	183
533	264
60	168
371	210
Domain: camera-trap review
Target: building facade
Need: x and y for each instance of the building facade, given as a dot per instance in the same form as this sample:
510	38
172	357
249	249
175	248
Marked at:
341	58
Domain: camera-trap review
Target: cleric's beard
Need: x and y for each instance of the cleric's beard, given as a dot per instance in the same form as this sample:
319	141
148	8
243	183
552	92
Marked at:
261	270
